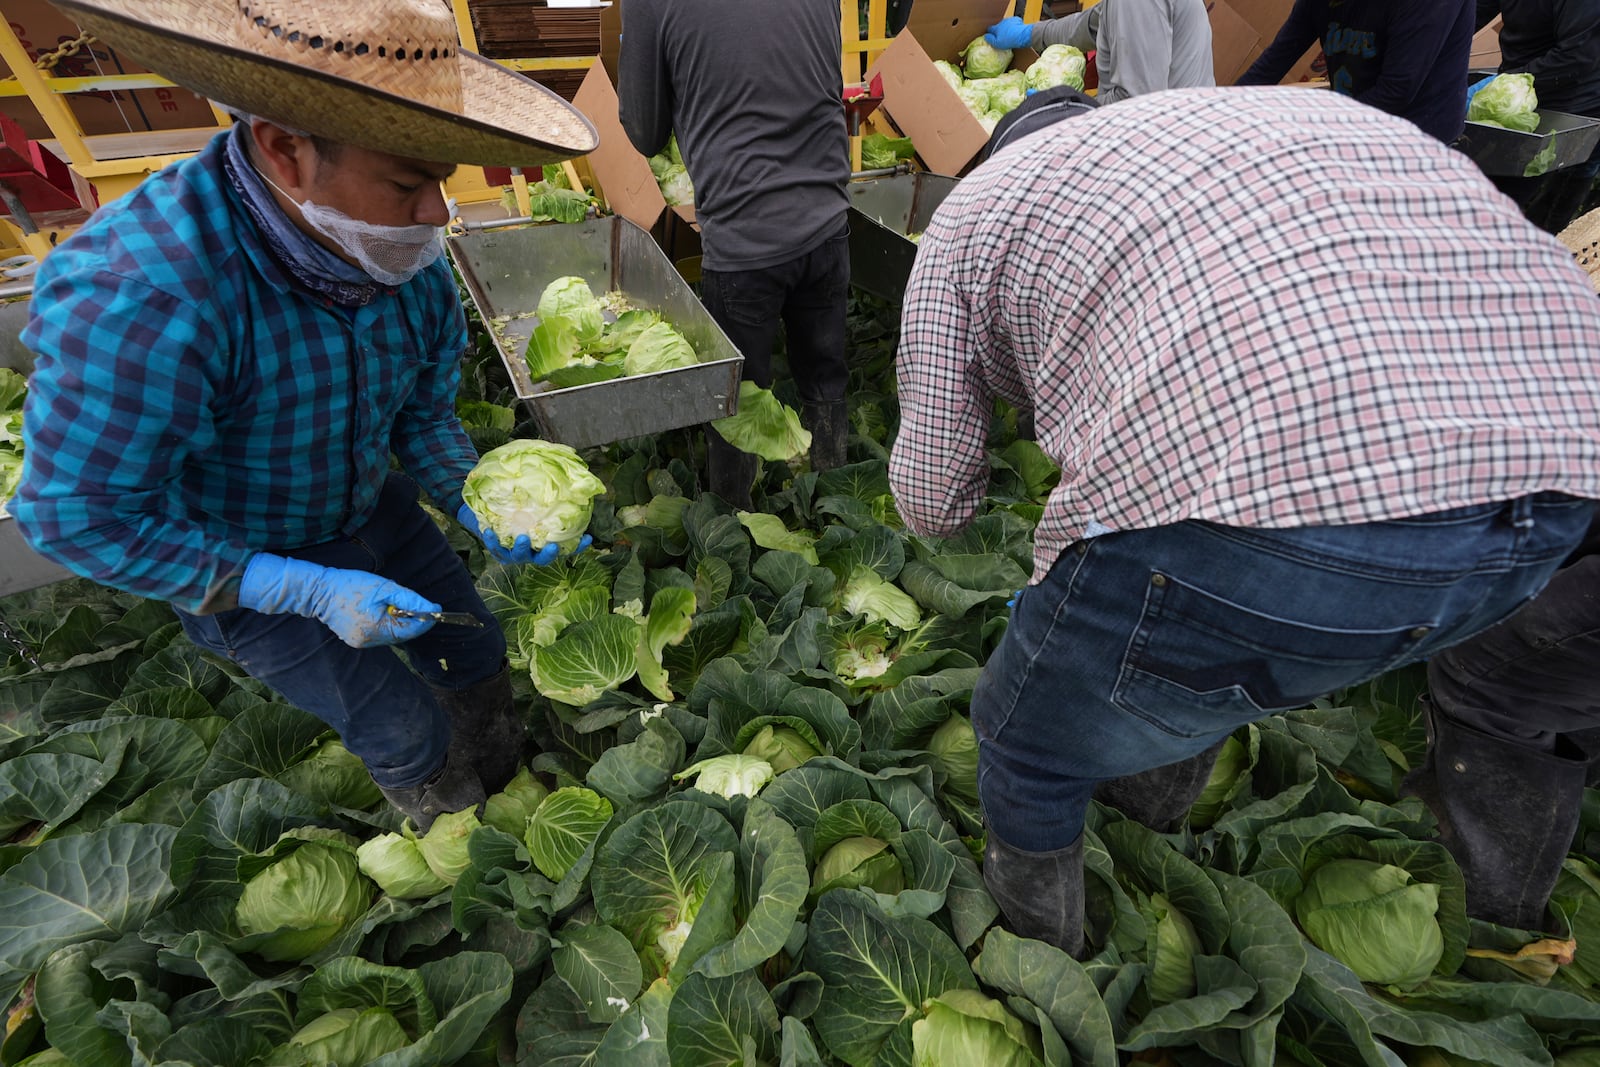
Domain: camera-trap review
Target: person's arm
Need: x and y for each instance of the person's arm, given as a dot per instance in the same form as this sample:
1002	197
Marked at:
1575	59
939	470
428	437
1300	31
644	84
119	399
1077	30
1411	45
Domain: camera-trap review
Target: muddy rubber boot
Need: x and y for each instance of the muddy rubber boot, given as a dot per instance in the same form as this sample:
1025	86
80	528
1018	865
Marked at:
1040	893
731	471
453	787
829	423
486	733
1506	813
1161	797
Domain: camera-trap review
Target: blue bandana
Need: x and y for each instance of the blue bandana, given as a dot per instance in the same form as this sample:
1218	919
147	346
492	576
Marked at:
311	265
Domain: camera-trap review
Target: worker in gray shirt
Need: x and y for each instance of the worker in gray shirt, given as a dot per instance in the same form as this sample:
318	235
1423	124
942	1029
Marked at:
1140	46
754	92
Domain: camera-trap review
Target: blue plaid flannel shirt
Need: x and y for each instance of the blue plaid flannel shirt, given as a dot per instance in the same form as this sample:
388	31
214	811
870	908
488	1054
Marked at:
190	406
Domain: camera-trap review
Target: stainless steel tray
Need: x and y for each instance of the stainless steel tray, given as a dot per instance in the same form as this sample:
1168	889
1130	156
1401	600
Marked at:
505	272
1560	140
21	568
883	212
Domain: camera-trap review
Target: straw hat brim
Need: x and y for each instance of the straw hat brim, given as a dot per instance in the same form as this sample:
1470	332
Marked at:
1583	237
506	119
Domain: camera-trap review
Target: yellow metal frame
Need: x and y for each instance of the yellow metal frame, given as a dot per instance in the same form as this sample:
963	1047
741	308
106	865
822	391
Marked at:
111	175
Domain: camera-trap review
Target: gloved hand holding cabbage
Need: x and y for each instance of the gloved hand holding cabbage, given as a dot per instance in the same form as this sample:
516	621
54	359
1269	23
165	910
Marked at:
529	493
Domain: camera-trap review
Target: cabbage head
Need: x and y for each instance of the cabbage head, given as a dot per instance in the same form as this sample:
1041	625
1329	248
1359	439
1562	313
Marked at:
982	61
395	862
1060	64
1374	918
334	775
571	300
962	1027
444	846
976	97
510	809
302	901
349	1037
676	185
954	747
659	347
1233	761
949	72
855	862
537	488
728	776
783	747
1004	92
1508	100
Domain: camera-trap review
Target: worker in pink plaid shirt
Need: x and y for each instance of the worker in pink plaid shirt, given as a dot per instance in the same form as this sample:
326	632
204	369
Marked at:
1324	404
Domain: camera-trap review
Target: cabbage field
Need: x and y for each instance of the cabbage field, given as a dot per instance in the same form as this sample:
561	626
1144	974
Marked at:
750	837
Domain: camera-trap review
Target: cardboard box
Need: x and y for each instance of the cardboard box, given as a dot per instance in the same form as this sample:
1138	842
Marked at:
1234	42
1486	47
917	99
1264	19
41	28
622	173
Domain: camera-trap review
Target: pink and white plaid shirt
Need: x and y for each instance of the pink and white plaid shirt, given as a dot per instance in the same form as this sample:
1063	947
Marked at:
1259	307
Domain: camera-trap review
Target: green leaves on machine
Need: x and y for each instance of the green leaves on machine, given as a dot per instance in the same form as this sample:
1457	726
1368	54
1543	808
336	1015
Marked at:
574	344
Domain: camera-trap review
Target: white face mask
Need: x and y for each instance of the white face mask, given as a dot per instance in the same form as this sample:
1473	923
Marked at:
391	255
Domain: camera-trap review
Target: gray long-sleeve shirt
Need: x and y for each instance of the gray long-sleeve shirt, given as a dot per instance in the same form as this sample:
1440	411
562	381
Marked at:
1141	46
752	88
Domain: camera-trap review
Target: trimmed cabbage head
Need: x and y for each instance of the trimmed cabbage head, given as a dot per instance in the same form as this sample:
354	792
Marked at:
1508	100
981	60
332	774
444	846
659	347
962	1027
1374	918
949	72
866	593
676	185
536	488
954	747
975	97
1004	92
302	901
1059	64
571	300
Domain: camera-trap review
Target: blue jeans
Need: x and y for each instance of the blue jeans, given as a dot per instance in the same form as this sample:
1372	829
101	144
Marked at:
381	708
1146	647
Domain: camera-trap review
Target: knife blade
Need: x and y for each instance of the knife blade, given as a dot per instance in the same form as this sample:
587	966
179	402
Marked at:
449	618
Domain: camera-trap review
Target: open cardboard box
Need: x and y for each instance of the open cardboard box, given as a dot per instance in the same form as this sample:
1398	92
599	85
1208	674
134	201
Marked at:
918	101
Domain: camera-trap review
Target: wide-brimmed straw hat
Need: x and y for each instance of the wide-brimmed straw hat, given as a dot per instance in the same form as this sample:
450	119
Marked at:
1583	237
388	75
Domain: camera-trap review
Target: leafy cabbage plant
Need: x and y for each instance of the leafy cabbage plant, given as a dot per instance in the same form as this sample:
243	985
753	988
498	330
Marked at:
962	1026
302	899
728	776
537	488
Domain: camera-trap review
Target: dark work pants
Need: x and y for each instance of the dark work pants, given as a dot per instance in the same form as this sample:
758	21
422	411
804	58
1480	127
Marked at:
806	297
1535	677
1553	200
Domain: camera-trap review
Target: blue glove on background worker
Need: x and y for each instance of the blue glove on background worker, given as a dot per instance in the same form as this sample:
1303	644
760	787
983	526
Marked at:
1010	32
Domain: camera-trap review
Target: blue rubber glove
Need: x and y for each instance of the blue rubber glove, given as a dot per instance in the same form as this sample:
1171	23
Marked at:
354	604
1014	598
521	550
1010	32
1472	90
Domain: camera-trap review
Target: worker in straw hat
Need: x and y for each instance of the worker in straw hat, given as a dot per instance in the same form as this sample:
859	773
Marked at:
228	356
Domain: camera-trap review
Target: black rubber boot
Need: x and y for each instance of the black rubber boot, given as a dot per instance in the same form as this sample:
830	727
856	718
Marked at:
1506	813
1039	893
1160	798
486	733
829	423
731	471
453	787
